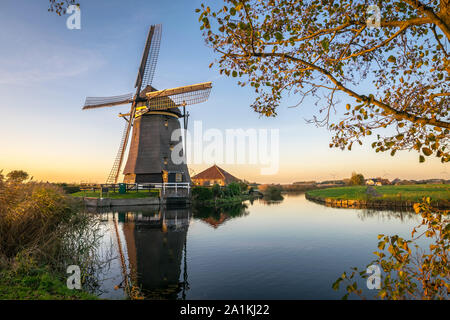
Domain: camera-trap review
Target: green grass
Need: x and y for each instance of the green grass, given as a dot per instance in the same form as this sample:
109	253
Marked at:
437	192
224	201
37	284
116	195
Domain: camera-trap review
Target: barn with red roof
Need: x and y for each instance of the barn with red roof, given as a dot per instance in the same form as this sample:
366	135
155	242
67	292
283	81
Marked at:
213	175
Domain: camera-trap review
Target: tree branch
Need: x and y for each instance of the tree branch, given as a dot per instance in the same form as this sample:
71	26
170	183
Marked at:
433	28
398	114
429	12
403	28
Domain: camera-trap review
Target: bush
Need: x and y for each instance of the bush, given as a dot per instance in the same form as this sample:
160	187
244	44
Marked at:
30	214
357	179
273	193
244	186
216	191
233	189
40	222
202	193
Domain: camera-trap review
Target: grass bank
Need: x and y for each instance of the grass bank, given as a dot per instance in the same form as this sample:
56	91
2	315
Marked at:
37	284
437	193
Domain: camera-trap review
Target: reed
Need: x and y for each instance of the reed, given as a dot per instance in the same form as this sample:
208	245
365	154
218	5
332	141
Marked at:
41	224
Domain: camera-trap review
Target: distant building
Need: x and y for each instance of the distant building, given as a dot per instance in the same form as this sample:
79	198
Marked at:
213	175
434	181
377	182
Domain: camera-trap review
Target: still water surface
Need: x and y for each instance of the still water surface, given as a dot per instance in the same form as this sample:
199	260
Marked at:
294	249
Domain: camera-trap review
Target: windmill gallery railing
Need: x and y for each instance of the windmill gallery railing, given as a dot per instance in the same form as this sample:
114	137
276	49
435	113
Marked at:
165	188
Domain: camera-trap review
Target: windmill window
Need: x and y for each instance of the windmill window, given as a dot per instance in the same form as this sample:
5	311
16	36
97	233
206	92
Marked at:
166	160
166	123
178	177
171	146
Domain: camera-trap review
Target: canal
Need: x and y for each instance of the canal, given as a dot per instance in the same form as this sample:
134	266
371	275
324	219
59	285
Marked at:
293	249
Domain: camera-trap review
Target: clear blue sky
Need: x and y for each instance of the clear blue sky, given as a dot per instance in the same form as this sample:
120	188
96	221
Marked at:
47	70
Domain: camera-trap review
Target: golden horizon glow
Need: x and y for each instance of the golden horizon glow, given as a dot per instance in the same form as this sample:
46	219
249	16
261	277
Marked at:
95	169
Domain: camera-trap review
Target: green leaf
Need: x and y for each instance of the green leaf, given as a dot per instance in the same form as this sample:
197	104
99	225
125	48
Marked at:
392	59
335	285
279	36
427	151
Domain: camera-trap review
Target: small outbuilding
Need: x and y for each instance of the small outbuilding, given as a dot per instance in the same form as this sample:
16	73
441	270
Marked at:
213	175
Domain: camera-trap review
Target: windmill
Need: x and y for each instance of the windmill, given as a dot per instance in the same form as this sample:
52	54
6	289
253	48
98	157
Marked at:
154	115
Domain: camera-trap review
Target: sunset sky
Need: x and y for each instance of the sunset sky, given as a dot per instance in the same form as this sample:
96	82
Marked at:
47	70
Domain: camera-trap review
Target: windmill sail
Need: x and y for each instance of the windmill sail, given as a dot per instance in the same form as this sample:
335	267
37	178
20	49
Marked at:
178	97
149	57
100	102
144	78
149	158
113	174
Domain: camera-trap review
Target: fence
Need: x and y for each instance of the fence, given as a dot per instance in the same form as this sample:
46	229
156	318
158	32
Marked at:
163	187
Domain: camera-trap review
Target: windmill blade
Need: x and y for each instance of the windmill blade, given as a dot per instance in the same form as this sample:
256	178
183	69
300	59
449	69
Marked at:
145	76
149	57
178	97
117	161
100	102
115	171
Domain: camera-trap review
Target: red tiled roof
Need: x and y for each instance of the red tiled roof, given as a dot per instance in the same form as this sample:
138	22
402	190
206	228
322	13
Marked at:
215	223
215	173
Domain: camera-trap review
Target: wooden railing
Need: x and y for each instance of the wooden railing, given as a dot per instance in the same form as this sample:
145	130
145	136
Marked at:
163	187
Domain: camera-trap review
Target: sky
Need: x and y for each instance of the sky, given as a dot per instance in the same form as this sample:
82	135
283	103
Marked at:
47	70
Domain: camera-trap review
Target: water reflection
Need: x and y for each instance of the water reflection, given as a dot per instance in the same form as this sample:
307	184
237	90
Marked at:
156	244
216	217
270	202
294	249
402	215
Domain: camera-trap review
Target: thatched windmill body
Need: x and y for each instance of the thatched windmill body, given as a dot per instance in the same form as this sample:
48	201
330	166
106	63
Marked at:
154	115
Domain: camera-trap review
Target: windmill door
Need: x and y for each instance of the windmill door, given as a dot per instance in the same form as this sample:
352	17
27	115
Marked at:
175	177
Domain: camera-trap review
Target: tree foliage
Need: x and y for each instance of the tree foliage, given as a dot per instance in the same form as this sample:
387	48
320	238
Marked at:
233	189
60	7
201	193
409	272
17	176
273	193
357	179
216	191
324	49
